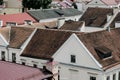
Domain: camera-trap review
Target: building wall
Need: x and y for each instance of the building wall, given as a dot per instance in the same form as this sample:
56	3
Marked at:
68	72
13	3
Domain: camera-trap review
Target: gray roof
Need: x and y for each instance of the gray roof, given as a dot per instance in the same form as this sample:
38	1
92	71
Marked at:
53	13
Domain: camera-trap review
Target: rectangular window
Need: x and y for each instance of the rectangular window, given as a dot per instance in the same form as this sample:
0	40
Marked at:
3	55
108	78
114	76
92	78
73	58
35	65
119	76
23	63
13	57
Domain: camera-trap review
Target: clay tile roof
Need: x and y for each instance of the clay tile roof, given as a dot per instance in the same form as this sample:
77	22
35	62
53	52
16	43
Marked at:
11	71
117	18
18	35
110	2
72	25
5	32
96	17
103	38
45	43
18	18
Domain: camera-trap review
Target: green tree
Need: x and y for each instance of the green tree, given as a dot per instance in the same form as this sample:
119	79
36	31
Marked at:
1	2
36	4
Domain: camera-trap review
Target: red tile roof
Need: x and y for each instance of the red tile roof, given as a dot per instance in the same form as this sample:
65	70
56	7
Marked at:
11	71
18	18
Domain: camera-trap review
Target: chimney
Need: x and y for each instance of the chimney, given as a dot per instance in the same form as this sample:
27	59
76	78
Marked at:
1	23
8	24
28	22
117	24
109	16
60	22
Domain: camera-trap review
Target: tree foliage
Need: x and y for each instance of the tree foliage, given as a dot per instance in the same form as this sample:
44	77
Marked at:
1	2
36	4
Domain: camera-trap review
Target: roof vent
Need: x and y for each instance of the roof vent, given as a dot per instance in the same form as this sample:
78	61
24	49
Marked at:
103	52
11	24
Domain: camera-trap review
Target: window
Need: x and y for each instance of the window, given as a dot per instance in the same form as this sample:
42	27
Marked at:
92	78
114	76
119	76
73	58
108	78
13	57
3	55
23	63
35	65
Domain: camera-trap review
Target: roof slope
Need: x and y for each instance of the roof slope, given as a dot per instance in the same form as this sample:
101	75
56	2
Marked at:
18	35
117	18
53	13
5	33
18	18
110	40
11	71
109	2
72	25
45	43
96	17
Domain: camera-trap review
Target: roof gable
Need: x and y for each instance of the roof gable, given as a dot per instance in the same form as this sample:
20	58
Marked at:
103	38
45	43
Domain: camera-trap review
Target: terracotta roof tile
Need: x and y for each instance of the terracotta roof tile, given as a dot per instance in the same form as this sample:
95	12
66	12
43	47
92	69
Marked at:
5	33
103	38
18	35
18	18
96	17
20	72
72	25
45	43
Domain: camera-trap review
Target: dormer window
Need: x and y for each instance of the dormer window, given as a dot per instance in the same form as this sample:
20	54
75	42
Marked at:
103	52
11	24
73	59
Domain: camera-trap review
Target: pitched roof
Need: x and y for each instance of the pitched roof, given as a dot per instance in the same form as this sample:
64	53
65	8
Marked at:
117	18
5	32
72	25
110	40
45	43
20	72
53	13
18	18
110	2
42	25
96	17
18	35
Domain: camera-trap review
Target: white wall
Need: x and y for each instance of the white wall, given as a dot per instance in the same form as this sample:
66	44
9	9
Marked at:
92	29
79	73
73	47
